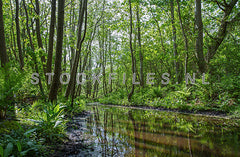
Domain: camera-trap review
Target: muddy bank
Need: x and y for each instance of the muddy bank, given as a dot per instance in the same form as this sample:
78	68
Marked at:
78	143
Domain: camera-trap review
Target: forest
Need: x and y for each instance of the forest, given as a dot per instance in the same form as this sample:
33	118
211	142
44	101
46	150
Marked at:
63	60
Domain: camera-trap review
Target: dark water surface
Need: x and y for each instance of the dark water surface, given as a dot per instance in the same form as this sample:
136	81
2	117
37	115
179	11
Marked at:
119	131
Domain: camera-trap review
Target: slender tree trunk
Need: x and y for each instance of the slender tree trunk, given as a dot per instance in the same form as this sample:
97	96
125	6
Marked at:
176	63
4	60
32	47
140	47
89	83
3	50
199	41
104	64
38	31
58	60
73	27
185	37
160	33
19	35
131	49
102	57
13	34
72	82
51	37
111	60
78	52
12	43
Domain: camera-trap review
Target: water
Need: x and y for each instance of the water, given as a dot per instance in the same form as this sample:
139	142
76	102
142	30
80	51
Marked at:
119	131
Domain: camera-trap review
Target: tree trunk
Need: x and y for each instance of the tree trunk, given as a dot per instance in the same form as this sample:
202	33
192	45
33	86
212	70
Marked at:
33	49
19	35
51	37
102	57
140	47
38	31
13	34
176	63
199	41
72	82
131	49
89	84
73	27
111	60
3	50
57	69
185	37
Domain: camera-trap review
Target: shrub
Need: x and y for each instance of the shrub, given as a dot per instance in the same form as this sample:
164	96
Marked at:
50	122
184	94
20	143
10	83
78	106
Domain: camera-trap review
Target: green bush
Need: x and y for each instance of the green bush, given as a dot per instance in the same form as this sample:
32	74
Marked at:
78	106
50	122
20	143
10	83
38	106
231	84
184	94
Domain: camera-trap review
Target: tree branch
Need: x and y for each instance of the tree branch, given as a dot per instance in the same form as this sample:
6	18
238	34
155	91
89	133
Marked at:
209	34
220	5
34	8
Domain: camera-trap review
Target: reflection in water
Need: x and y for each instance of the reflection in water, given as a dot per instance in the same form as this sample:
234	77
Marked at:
119	131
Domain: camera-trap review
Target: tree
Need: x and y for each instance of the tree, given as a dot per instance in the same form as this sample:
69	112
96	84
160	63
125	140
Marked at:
174	38
3	50
19	35
51	37
58	60
72	82
227	8
140	47
131	48
32	47
38	31
199	40
185	37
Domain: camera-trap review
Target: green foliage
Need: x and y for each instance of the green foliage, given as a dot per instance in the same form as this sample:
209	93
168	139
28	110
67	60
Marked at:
196	97
20	143
184	93
10	83
78	106
158	92
236	112
38	106
51	123
231	84
225	103
8	126
7	151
